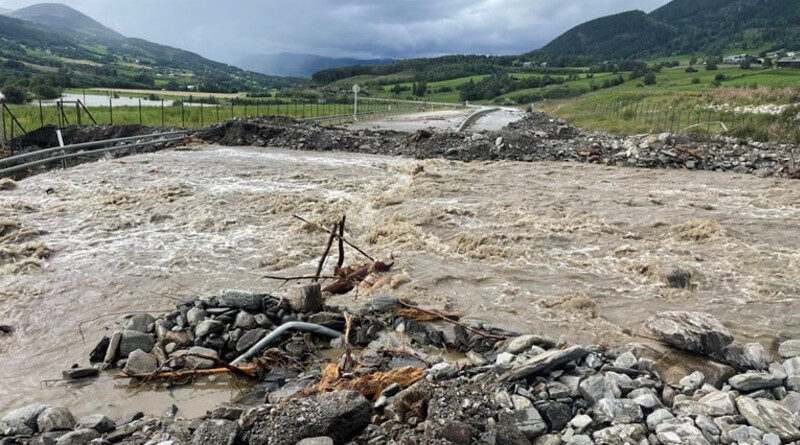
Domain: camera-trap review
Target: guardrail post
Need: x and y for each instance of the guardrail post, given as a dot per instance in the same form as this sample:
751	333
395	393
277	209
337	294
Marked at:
3	110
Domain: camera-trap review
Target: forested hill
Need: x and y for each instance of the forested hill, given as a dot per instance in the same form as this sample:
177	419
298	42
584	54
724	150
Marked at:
686	26
615	37
61	47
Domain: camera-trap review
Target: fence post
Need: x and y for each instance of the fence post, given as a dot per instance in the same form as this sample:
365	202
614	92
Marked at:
78	113
3	110
140	111
183	116
217	106
41	114
201	114
162	112
231	108
110	111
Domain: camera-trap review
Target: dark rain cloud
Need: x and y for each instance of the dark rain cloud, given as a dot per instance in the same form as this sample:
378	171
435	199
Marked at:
228	30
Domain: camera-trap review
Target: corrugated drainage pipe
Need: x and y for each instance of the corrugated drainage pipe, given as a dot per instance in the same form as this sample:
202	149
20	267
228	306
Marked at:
276	334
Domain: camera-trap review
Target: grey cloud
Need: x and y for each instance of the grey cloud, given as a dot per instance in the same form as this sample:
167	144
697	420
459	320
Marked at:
229	30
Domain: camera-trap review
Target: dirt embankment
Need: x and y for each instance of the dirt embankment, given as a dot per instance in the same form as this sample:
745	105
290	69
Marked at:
538	137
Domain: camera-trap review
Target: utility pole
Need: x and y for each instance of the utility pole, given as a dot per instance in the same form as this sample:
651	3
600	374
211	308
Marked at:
356	90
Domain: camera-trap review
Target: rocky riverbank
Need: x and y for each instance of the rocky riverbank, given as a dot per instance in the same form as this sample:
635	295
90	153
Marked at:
397	373
538	137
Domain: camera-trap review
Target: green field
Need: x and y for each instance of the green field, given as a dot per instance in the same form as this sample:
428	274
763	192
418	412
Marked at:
679	101
32	117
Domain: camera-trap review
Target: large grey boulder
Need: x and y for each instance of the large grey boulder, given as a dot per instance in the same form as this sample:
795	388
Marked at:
249	339
617	411
523	343
208	327
789	349
78	437
240	299
620	434
528	421
140	362
98	422
697	332
598	386
309	299
139	322
191	359
26	415
753	381
195	315
55	418
133	340
768	416
215	432
717	403
340	415
680	434
529	367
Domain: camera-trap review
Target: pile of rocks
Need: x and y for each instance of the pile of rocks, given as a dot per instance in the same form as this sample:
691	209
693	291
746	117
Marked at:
537	137
220	326
527	389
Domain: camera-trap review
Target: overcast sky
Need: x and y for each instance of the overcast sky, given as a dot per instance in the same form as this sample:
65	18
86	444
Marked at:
228	30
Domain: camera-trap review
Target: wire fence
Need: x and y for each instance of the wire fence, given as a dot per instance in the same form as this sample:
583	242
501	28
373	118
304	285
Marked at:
656	117
19	119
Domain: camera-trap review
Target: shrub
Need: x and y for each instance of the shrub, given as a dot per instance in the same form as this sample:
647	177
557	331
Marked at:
650	79
696	80
13	94
46	92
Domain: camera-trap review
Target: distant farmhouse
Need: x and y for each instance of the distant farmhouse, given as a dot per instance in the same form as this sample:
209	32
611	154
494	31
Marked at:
789	62
734	59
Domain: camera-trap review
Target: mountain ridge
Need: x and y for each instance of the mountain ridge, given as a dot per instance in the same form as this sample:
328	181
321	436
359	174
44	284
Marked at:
62	18
301	64
697	26
84	52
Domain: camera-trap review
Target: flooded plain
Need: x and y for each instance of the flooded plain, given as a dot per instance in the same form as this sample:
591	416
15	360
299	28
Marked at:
572	250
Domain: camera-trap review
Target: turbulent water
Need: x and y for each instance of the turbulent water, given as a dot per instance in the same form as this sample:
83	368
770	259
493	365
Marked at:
565	249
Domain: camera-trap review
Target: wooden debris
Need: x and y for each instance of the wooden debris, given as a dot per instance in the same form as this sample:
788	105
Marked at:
370	385
439	316
344	240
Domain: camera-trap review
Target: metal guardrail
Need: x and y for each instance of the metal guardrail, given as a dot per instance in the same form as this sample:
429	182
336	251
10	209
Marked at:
61	153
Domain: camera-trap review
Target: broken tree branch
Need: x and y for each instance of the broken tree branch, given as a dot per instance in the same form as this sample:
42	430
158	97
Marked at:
443	317
340	263
345	240
325	253
306	277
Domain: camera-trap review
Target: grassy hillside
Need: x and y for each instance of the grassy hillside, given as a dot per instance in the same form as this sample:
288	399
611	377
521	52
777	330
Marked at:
56	47
618	37
687	26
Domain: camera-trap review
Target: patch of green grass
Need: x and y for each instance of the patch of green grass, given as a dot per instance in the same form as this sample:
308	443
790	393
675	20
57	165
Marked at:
190	116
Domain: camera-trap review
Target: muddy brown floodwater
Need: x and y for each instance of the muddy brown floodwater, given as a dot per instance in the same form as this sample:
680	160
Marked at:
573	250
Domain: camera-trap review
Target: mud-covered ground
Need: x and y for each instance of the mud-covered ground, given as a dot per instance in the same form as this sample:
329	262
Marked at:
568	249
